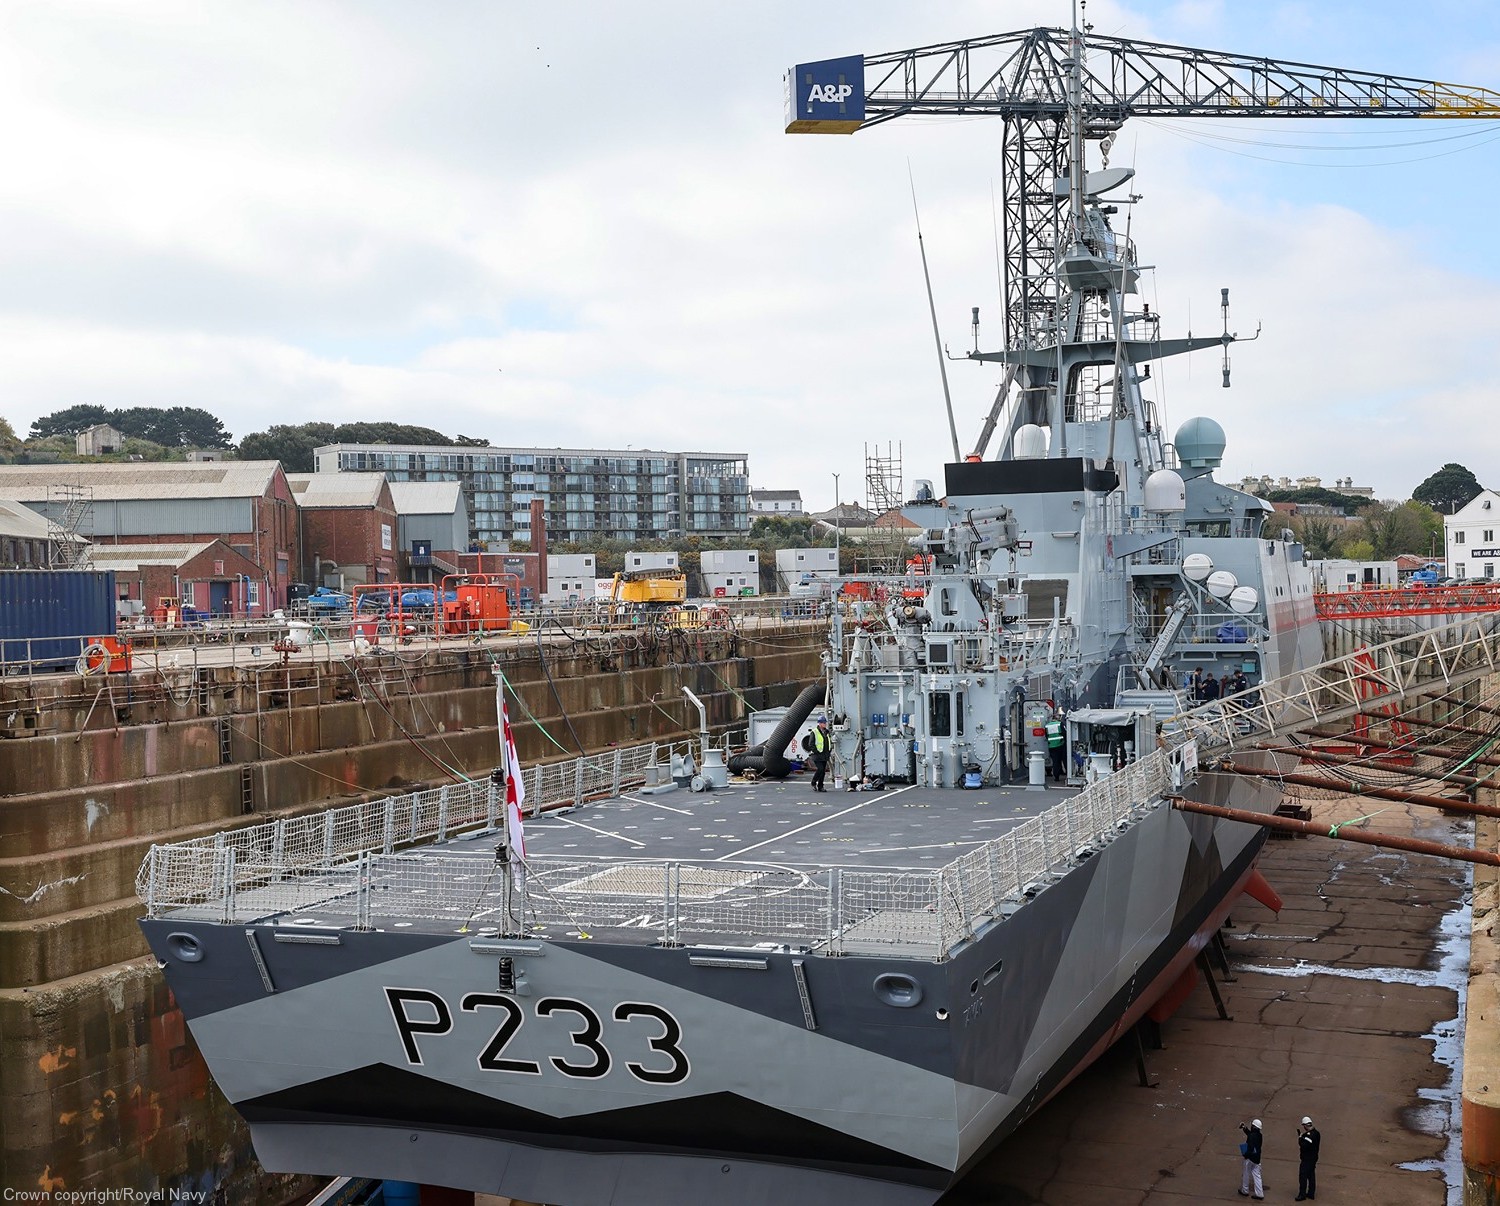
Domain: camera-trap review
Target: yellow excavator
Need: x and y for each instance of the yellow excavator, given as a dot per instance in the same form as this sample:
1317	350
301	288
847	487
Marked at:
649	589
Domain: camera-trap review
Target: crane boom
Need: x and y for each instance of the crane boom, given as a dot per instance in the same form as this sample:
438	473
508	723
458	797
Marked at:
1025	78
1023	74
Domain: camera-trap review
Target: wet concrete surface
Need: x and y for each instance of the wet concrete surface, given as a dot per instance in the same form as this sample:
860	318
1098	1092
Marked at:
1345	1007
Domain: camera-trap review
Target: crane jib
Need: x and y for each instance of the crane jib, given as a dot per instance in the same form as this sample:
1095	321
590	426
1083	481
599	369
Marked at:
1018	75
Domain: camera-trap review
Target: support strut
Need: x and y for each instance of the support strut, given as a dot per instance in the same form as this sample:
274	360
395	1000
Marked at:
1313	829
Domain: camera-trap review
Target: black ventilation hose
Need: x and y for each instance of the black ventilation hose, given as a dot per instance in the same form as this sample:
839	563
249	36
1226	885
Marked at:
769	759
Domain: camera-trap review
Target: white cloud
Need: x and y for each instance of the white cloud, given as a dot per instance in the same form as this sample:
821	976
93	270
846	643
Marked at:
581	225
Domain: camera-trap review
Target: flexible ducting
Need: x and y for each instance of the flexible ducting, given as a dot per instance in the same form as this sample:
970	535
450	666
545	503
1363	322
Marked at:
769	758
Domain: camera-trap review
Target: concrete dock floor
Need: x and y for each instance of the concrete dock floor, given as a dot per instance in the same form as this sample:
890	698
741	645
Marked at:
1343	1009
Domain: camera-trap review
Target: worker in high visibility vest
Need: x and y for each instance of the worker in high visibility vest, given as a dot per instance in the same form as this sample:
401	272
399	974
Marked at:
822	747
1056	742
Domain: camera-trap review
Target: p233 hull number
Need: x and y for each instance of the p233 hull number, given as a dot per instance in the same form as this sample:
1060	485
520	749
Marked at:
656	1058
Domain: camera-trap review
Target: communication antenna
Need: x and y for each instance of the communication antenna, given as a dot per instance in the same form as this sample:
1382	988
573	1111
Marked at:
932	309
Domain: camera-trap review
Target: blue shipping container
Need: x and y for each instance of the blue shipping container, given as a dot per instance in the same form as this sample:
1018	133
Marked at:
49	616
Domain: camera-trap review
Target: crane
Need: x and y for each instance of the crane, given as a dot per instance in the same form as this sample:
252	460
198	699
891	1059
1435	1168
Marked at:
1033	79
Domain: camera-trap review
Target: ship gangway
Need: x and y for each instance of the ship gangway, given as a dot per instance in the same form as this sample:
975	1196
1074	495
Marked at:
1390	677
1389	602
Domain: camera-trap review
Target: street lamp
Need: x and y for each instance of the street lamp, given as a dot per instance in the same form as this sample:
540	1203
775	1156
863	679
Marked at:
838	528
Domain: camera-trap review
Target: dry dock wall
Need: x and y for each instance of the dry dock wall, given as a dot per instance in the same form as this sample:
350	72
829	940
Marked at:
102	1085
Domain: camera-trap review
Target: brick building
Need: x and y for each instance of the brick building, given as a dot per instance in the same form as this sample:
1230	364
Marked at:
247	504
210	576
348	528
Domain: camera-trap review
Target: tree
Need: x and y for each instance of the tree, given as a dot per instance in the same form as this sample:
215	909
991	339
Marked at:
1450	488
10	443
70	421
1321	536
291	445
1391	532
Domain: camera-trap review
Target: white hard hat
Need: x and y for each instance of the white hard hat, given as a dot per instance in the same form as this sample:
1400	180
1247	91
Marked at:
1307	1122
1255	1122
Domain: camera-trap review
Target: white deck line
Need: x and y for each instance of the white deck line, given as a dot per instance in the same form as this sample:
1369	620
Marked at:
781	837
596	829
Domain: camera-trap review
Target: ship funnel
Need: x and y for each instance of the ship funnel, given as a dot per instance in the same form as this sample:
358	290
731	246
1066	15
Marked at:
1029	443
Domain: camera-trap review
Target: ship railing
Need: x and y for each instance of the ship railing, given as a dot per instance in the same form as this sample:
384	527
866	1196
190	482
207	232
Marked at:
978	887
192	873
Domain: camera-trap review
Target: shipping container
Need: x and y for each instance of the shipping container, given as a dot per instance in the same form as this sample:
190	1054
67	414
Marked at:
48	617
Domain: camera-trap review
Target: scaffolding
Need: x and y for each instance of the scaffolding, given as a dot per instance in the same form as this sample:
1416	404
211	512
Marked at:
70	525
887	549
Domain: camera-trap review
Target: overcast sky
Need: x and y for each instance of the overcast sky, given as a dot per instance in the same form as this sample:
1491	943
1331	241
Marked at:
580	225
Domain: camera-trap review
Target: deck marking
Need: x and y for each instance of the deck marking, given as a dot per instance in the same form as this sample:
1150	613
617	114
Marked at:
780	837
657	804
601	832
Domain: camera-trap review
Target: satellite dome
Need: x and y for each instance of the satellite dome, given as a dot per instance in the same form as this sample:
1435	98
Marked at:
1030	442
1165	492
1200	443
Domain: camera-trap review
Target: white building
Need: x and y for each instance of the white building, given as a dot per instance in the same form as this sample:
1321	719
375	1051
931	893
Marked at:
570	578
654	560
776	502
99	440
728	572
1469	537
798	567
1336	575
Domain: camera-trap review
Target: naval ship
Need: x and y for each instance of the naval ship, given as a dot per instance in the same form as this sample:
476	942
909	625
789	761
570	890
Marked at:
688	984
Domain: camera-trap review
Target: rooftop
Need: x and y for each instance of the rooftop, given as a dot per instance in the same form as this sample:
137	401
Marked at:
424	498
336	489
138	481
23	523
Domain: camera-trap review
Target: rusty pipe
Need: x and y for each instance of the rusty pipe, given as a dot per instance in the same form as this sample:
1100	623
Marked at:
1314	829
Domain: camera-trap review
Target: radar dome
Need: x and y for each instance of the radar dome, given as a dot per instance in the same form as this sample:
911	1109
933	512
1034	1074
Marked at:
1200	443
1030	442
1165	492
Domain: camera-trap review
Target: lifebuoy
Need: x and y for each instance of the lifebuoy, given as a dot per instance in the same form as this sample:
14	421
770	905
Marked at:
93	660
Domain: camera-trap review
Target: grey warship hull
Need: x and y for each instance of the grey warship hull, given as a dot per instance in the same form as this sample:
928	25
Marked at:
745	1070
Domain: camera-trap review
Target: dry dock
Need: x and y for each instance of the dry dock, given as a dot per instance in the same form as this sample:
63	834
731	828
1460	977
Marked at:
1345	1007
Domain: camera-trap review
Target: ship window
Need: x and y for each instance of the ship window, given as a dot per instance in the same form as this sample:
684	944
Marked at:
958	698
939	715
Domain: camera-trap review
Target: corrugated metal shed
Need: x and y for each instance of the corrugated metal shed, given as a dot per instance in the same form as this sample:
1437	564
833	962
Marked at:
432	511
336	489
129	482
